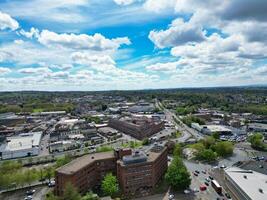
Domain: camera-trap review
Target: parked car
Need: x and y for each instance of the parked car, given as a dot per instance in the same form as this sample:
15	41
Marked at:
171	196
51	184
28	198
186	191
30	192
203	187
207	184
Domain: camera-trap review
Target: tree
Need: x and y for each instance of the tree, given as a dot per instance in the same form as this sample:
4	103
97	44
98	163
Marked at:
207	155
208	142
104	107
256	141
49	172
216	136
90	196
224	148
145	141
110	185
177	175
71	193
177	150
51	196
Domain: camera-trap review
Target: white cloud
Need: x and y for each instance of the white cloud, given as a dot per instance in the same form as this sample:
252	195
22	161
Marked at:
159	5
164	67
37	70
32	33
178	33
7	22
97	42
4	70
124	2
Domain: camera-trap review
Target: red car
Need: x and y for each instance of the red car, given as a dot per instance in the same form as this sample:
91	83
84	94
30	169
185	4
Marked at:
202	187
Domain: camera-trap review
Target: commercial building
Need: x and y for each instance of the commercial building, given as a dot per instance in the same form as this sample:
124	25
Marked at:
137	172
257	127
25	144
138	128
245	184
210	129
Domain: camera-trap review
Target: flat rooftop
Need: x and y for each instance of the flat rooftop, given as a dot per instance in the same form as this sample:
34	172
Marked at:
141	158
251	184
22	141
217	128
84	161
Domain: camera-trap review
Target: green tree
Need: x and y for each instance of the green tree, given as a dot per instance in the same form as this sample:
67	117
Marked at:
177	151
177	175
90	196
256	141
145	141
51	196
110	185
71	193
208	142
216	136
207	155
224	148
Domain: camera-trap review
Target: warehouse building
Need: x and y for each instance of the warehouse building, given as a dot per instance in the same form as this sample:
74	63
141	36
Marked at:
25	144
210	129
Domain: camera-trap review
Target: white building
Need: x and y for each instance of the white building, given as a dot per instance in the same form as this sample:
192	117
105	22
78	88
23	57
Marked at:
210	129
25	144
246	184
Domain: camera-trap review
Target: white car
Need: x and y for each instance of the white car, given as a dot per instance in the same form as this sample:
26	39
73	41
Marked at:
171	196
186	191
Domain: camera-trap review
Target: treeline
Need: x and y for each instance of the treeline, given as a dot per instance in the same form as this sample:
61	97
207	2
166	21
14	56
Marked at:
36	107
13	174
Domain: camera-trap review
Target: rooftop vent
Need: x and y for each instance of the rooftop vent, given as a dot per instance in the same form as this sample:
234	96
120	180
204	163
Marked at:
93	157
260	190
245	177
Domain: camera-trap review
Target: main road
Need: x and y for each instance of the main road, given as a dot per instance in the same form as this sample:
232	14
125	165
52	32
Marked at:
183	128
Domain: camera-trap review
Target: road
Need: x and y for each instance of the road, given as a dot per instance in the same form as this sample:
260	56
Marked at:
183	128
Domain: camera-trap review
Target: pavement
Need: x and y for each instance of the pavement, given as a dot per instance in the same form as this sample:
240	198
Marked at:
40	193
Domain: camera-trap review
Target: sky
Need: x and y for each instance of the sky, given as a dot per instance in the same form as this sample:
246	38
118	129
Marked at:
87	45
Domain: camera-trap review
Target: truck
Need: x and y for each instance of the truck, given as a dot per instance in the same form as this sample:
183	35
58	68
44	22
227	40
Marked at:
216	186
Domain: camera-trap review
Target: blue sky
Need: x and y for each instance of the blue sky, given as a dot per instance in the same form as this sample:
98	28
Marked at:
131	44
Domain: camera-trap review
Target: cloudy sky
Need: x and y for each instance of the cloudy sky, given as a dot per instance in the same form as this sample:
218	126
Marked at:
131	44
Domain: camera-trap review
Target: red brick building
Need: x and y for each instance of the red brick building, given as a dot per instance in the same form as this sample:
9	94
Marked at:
137	173
137	129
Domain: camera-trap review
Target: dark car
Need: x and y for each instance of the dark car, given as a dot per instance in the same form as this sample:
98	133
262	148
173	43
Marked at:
210	177
196	174
197	171
207	184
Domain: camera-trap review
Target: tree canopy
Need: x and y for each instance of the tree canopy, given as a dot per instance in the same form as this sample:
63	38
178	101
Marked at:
110	185
256	141
177	175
